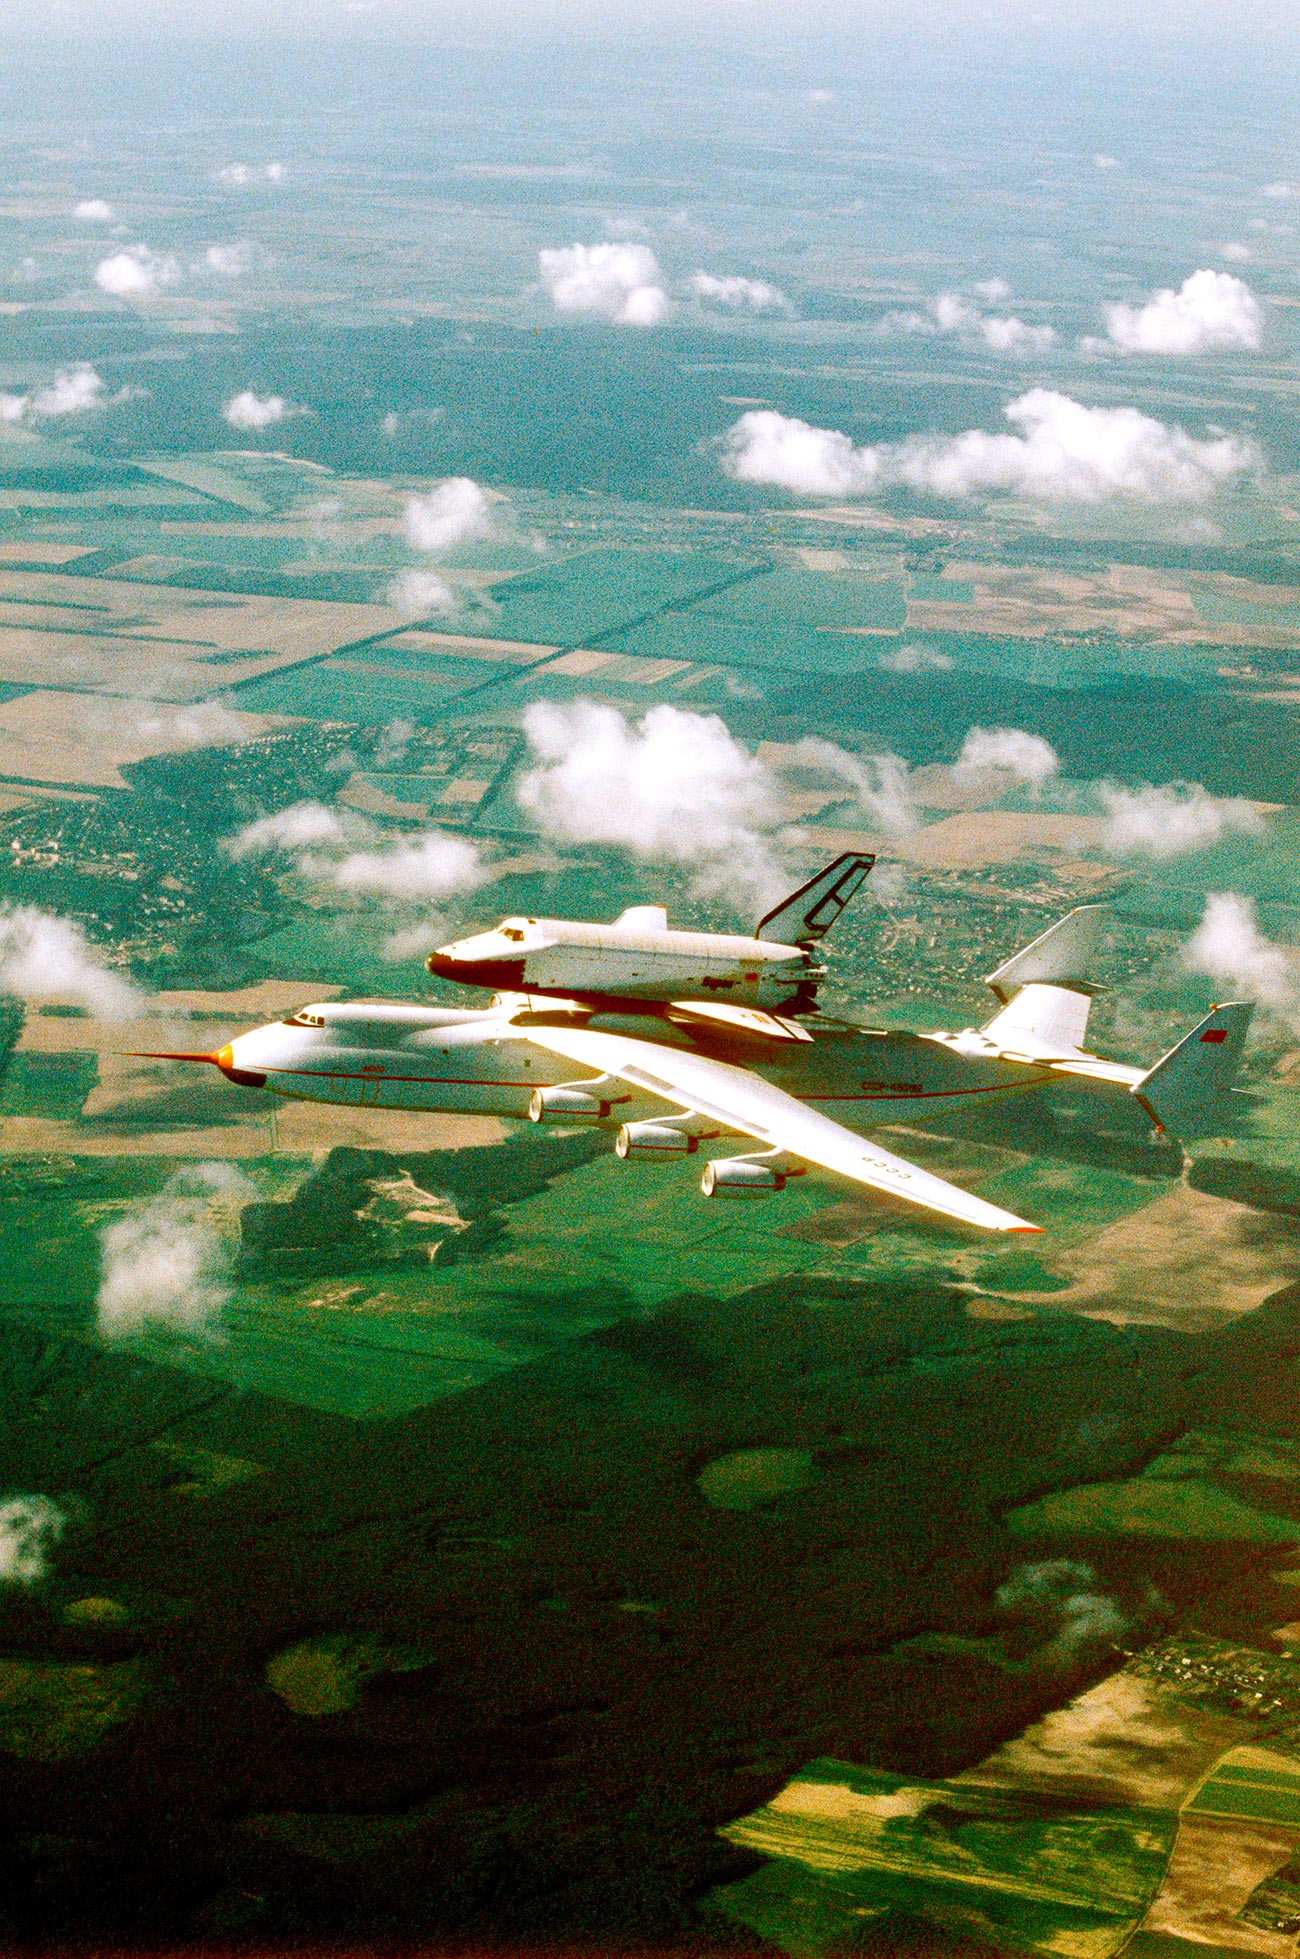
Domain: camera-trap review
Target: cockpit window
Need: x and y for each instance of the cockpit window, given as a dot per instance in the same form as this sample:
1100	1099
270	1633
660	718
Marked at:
508	932
304	1018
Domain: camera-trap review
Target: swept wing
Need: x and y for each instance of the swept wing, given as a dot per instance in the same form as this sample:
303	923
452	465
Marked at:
746	1103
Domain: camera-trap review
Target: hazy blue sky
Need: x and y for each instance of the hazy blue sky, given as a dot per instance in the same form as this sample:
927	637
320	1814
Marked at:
1140	19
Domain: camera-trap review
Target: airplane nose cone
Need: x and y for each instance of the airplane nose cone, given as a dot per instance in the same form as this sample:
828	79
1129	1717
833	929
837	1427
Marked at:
496	975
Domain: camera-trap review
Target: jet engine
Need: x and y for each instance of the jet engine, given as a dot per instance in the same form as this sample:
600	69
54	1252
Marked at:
748	1176
654	1139
566	1105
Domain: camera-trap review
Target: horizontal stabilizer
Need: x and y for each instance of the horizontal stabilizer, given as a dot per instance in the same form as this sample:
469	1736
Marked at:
1042	1021
808	914
1185	1091
1061	954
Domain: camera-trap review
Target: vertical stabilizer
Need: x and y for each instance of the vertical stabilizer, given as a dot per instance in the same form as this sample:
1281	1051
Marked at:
808	913
1060	955
1186	1090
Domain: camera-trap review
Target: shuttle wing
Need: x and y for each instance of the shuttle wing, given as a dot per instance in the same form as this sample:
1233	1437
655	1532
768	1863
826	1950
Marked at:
746	1103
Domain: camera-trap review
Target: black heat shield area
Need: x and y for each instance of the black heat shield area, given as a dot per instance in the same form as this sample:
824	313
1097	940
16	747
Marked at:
494	975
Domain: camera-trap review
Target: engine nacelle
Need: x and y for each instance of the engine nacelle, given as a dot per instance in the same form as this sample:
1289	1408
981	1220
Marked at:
566	1105
741	1176
654	1139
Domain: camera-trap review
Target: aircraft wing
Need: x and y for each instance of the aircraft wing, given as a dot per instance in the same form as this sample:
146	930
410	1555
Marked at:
740	1101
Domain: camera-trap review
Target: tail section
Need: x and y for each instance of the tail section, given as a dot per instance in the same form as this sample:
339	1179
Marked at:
1185	1091
1061	955
808	913
1042	1021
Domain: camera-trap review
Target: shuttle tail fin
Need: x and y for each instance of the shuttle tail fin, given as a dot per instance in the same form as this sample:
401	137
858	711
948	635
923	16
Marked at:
808	913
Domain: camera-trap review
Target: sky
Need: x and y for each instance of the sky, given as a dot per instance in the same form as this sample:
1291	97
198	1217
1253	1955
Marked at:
1268	22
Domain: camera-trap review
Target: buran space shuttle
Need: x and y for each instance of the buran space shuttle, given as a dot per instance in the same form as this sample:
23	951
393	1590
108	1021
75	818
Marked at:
680	1041
639	959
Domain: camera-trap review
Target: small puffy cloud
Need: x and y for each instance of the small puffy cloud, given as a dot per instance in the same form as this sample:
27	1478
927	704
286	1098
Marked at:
73	391
878	783
1172	819
1103	162
677	788
228	261
621	282
43	957
204	724
94	210
915	659
29	1526
1279	190
674	788
738	295
166	1263
136	273
255	412
454	510
1235	252
393	743
953	313
302	826
237	175
1229	948
767	447
1059	1605
1010	751
343	849
422	595
1062	451
428	867
1211	312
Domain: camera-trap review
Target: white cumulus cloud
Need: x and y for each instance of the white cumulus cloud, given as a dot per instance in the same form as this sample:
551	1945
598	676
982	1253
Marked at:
255	412
1172	819
166	1263
1229	947
675	788
136	273
228	261
955	314
452	511
1058	1602
94	210
73	391
29	1526
44	957
421	594
878	783
678	788
1062	451
915	659
1211	312
1013	751
428	867
449	514
203	724
622	282
734	294
302	826
237	175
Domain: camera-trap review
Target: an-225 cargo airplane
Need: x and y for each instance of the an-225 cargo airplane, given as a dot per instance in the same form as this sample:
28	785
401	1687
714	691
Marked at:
682	1038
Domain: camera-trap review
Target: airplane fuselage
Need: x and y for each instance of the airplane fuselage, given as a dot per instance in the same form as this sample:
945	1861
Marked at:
480	1062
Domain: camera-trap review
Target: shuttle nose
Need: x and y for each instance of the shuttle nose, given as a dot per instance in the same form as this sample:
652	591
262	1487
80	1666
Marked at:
496	975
